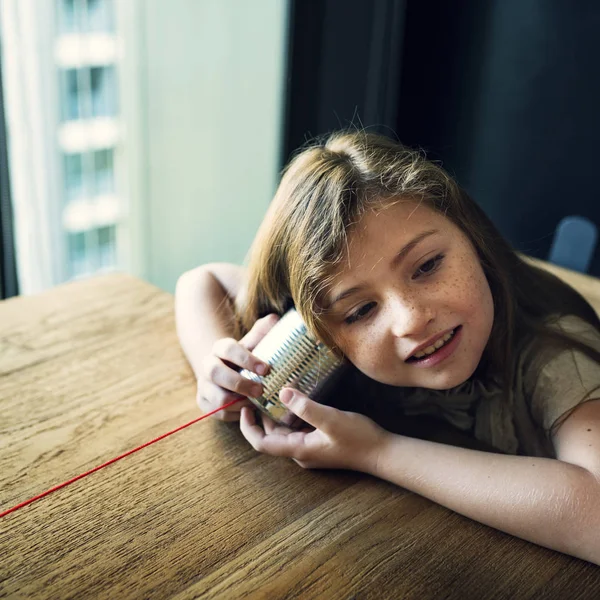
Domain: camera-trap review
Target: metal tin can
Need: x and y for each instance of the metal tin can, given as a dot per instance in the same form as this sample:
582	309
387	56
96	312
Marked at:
297	360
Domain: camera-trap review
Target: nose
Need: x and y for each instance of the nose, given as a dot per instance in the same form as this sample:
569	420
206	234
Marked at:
410	317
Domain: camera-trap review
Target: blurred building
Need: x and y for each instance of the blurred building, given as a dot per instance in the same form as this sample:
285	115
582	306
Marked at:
60	61
142	135
86	51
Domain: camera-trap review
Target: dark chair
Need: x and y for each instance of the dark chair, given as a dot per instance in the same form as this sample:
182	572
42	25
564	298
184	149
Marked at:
574	243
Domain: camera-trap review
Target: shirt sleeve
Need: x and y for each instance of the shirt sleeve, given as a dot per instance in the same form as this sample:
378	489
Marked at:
568	378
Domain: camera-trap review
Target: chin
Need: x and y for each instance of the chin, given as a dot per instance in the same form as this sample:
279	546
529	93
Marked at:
445	380
446	384
452	380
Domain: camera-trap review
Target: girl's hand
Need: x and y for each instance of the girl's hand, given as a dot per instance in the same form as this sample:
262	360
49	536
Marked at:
220	381
339	440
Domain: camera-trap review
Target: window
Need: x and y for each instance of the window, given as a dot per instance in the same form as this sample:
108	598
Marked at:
104	180
100	16
62	71
92	250
89	92
69	16
86	16
78	263
83	181
73	177
103	91
71	95
107	255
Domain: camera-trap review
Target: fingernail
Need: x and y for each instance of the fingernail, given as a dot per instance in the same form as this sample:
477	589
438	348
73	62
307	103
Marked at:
286	395
261	369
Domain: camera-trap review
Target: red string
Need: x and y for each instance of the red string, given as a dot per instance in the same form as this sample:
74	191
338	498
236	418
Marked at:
114	460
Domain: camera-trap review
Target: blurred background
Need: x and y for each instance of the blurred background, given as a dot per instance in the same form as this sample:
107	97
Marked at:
147	136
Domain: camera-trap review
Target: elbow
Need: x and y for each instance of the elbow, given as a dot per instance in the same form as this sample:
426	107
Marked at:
588	544
188	293
581	522
188	280
588	550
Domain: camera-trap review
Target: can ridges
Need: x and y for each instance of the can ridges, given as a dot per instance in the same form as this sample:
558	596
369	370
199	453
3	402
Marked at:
296	360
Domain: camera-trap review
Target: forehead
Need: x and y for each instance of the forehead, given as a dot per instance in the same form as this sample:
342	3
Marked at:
377	238
395	224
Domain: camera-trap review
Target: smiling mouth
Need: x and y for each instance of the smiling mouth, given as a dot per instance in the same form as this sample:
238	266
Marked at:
427	352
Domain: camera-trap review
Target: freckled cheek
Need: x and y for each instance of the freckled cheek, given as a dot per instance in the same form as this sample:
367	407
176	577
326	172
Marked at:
467	289
480	289
476	301
366	352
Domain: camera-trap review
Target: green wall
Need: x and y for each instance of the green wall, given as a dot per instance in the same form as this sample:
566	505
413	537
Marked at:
202	89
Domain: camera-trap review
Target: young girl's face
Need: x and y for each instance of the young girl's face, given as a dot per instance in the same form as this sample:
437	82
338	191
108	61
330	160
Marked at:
411	305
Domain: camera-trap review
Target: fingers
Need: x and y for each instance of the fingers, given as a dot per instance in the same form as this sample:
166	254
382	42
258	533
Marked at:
209	397
219	374
220	380
234	352
271	427
250	429
258	331
315	414
276	444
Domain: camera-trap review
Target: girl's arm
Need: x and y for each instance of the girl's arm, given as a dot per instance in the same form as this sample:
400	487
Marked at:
553	503
204	312
549	502
204	300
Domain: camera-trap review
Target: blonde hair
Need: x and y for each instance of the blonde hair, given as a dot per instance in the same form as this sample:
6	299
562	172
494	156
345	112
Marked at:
324	191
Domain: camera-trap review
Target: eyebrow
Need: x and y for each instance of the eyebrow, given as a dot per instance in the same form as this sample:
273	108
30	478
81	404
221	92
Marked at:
400	256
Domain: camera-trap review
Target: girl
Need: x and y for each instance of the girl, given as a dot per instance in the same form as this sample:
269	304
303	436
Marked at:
393	266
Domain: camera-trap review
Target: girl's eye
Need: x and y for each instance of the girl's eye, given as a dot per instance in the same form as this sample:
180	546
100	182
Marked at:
359	314
429	267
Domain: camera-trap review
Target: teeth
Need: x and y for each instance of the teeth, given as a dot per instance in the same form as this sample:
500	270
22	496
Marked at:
431	349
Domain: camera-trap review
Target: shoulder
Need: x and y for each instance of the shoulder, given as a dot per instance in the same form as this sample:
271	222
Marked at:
541	352
228	275
577	328
576	440
559	377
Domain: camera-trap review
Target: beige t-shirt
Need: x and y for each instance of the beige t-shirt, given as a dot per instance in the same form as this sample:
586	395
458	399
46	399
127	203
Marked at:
547	387
564	380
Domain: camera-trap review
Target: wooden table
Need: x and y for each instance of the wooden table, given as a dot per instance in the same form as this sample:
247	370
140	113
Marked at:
91	369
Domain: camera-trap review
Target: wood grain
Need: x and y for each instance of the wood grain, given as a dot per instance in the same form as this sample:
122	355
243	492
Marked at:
91	369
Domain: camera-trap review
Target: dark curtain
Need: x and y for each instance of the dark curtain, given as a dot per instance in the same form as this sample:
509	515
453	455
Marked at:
8	270
344	66
504	92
